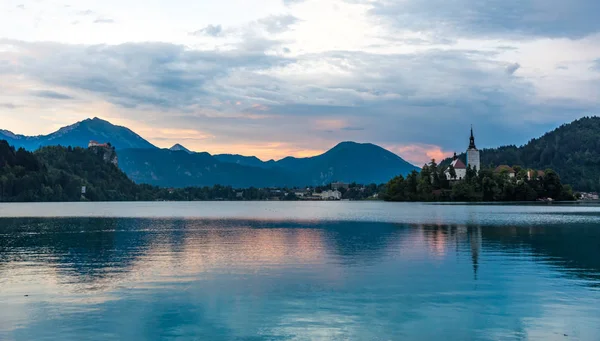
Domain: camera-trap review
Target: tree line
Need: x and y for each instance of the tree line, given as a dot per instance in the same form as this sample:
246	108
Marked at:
57	173
431	184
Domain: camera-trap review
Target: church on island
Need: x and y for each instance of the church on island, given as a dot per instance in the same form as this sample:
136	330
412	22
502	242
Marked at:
460	168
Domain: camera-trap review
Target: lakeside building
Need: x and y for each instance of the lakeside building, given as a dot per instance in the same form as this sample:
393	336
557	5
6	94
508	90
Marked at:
459	167
533	174
589	196
330	195
473	160
505	169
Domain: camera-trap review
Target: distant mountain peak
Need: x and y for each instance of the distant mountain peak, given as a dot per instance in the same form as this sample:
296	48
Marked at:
178	147
79	134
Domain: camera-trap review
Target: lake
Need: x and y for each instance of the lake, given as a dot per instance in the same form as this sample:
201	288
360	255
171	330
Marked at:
299	271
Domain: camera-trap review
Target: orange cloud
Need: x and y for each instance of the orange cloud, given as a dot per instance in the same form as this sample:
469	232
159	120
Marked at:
264	151
419	154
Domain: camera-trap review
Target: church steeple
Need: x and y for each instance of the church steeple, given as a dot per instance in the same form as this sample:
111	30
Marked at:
472	140
473	157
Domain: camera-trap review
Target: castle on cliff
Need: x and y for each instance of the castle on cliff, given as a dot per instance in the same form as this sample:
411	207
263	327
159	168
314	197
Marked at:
107	150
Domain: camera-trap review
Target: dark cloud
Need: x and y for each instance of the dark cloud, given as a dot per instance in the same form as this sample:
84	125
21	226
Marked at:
50	94
278	23
132	75
493	18
512	68
210	30
426	97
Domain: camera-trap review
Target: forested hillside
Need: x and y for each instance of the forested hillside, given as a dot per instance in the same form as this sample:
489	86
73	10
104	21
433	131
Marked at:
58	173
572	150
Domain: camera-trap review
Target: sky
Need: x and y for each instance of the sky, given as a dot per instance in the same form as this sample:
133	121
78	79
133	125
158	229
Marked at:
274	78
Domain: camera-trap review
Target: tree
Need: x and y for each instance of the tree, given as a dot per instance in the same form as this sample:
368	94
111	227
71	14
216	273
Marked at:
452	172
551	184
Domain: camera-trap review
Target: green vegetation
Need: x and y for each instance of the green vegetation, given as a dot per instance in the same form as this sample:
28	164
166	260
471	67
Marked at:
572	150
431	185
58	174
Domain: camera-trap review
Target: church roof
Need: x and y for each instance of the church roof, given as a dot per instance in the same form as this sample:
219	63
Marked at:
502	168
458	164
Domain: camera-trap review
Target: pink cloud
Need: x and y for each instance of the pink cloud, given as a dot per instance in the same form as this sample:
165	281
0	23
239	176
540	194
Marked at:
419	154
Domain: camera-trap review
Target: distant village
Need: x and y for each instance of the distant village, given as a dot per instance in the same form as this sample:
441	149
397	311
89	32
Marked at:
331	192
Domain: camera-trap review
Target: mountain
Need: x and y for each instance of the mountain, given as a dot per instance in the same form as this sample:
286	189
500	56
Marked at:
347	162
363	163
572	150
79	135
180	167
251	161
166	168
177	147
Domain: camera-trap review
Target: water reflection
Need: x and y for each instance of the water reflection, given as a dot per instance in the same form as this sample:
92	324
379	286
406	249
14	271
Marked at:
117	278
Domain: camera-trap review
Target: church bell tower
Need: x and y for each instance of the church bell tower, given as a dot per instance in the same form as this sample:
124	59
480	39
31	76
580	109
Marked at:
473	157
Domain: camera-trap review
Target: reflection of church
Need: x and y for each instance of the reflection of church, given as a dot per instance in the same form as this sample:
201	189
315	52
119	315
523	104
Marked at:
473	160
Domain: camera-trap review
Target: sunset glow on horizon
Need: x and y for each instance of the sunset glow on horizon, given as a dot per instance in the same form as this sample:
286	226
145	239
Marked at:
265	80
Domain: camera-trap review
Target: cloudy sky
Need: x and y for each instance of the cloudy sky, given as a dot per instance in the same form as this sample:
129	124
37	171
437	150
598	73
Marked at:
294	77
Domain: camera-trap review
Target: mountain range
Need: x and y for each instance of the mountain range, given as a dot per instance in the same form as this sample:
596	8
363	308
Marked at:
179	167
572	150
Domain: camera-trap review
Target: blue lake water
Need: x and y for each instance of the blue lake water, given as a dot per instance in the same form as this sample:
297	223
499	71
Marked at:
299	271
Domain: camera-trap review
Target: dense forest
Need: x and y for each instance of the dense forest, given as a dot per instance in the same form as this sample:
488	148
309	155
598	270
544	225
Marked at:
572	150
56	173
486	185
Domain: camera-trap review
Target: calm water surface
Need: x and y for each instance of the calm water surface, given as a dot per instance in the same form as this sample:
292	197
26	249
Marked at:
299	271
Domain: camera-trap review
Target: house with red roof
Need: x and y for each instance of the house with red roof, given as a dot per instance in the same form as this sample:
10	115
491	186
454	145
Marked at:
505	169
459	168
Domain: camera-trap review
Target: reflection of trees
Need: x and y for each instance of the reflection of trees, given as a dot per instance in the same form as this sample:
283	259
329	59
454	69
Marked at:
86	249
440	238
575	247
98	250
